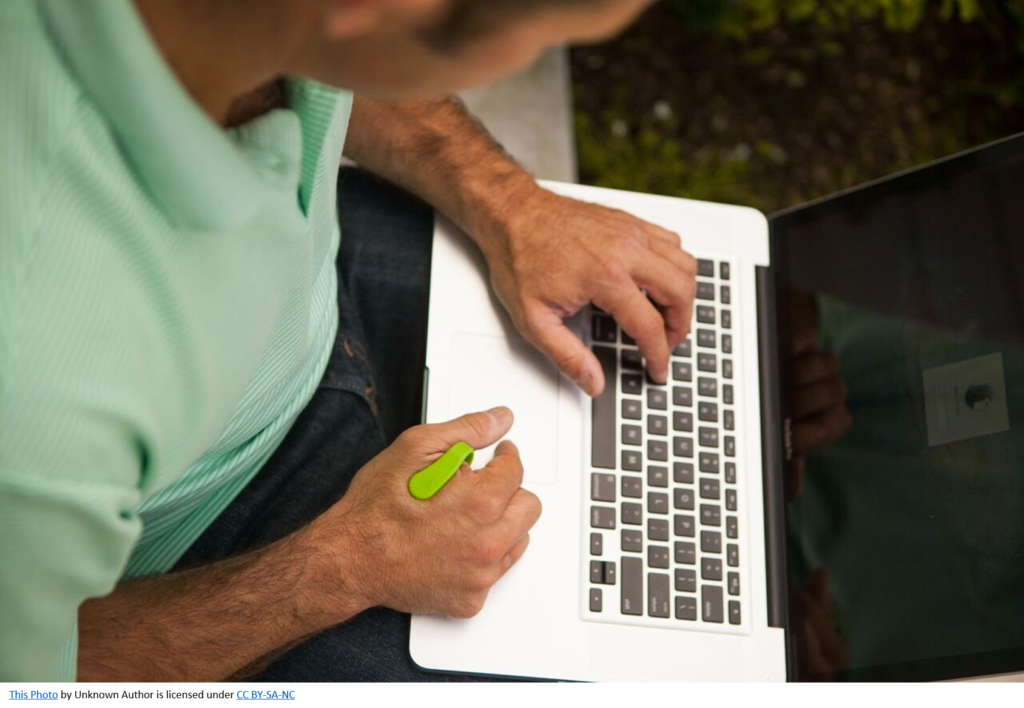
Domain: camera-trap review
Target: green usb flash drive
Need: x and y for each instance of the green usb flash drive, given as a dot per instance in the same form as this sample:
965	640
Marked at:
428	482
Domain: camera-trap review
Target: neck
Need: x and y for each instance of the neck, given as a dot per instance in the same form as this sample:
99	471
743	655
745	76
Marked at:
225	53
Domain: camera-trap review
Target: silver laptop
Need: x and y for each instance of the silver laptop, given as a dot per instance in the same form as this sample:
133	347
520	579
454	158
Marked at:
666	550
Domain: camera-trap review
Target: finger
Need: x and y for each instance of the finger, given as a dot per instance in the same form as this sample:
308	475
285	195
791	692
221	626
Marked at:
672	287
813	366
523	510
818	397
478	430
513	556
640	320
804	342
664	235
548	333
812	434
503	475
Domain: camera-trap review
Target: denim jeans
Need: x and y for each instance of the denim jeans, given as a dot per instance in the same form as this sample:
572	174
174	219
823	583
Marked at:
371	391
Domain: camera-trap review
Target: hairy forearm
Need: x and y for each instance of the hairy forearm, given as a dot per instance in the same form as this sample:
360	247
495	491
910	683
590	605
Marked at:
438	151
215	621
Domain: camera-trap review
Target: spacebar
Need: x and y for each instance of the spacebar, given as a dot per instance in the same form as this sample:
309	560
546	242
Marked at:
602	432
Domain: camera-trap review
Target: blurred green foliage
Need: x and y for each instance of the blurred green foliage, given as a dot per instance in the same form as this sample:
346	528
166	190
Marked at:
772	102
738	18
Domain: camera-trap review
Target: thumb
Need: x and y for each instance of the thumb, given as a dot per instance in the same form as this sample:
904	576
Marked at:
565	350
478	430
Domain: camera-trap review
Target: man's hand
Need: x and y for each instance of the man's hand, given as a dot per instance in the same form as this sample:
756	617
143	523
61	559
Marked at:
550	256
439	556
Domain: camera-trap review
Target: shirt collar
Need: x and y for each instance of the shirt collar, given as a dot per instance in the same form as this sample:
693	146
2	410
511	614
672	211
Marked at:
189	165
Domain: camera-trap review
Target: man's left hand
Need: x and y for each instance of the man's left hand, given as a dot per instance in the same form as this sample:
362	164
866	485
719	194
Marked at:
551	255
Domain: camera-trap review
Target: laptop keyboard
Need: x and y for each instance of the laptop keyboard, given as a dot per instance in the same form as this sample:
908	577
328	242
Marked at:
664	506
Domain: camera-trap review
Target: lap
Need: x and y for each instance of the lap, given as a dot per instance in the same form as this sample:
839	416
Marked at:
370	392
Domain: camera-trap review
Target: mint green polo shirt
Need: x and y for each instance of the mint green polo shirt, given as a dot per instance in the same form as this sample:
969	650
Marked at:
167	307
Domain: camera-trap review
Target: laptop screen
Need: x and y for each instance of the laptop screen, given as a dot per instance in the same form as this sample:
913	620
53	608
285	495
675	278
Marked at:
901	348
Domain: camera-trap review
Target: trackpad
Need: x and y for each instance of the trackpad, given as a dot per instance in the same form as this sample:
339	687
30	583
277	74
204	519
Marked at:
498	371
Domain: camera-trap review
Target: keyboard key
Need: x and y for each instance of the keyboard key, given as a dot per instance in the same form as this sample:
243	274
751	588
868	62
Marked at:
684	526
657	503
711	569
632	487
734	583
682	472
657	450
602	445
727	394
723	271
632	514
682	499
686	580
711	603
710	515
732	555
685	553
632	585
596	544
734	612
732	527
632	460
730	473
710	542
684	349
726	368
725	295
602	517
682	396
705	314
707	363
730	500
657	476
705	290
706	338
727	344
609	572
707	386
686	608
631	409
709	462
682	421
726	319
709	488
682	371
657	557
730	446
707	412
597	572
632	384
705	268
708	437
657	399
595	600
657	425
631	360
657	595
729	419
603	329
682	447
632	541
602	487
657	529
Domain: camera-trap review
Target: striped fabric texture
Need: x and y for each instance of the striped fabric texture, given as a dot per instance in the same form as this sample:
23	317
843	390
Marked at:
167	308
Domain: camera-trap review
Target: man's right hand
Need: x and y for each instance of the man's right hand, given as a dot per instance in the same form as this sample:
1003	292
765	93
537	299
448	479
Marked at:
439	556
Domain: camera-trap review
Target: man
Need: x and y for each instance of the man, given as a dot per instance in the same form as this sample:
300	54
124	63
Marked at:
191	375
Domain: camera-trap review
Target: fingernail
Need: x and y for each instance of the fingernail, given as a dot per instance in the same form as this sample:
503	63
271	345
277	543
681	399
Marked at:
500	414
586	382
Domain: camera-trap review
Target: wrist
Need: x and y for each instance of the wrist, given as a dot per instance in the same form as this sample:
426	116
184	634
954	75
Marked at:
332	586
490	203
